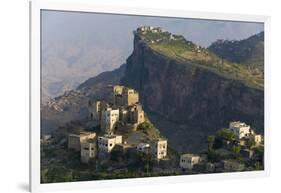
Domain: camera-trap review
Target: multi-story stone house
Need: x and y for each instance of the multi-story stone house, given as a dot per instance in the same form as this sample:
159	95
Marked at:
123	96
240	129
96	109
123	107
187	161
88	150
109	118
75	140
136	114
107	142
159	148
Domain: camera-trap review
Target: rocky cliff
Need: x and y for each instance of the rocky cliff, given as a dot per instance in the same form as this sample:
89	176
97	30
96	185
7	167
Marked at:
187	91
195	99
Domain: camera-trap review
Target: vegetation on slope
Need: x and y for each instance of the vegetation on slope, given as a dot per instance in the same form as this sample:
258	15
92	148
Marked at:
248	51
186	52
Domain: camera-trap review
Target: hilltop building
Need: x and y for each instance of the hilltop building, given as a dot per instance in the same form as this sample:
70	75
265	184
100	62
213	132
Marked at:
240	129
187	161
96	108
75	140
145	29
109	118
123	96
123	107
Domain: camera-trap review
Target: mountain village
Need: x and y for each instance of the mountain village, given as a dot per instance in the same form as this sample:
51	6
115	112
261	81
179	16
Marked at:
122	129
122	115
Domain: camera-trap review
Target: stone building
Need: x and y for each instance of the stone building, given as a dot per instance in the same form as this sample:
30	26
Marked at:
159	148
130	97
75	140
96	109
107	142
232	166
109	118
187	161
136	114
131	116
240	129
116	94
123	96
88	150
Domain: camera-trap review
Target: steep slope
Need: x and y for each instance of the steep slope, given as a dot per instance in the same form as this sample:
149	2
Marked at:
187	86
247	51
73	105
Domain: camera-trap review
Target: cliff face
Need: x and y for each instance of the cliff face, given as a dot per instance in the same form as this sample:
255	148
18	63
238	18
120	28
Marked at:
188	94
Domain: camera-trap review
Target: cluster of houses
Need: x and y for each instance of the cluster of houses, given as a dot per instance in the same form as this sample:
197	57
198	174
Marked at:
150	29
243	134
120	114
145	29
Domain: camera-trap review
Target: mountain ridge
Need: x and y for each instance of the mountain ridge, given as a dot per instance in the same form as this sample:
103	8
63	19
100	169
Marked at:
185	101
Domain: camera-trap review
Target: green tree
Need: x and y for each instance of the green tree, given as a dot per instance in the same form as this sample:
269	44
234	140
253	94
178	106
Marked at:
226	134
252	142
211	141
236	150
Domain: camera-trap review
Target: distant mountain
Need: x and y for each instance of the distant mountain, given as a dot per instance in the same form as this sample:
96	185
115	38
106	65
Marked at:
65	64
77	46
187	91
73	104
247	51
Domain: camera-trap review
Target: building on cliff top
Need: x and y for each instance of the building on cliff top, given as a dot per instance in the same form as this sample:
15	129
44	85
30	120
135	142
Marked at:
240	129
152	29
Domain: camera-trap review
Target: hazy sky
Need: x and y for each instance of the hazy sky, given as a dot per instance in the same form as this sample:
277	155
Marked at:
77	46
65	25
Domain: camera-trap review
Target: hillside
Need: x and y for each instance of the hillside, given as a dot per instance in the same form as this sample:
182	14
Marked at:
73	105
176	47
248	51
187	91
